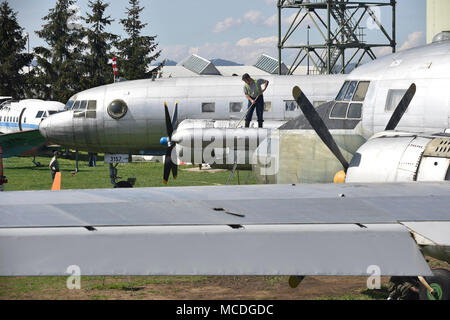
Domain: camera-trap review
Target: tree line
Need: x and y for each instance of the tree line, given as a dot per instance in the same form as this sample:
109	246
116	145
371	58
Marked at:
77	55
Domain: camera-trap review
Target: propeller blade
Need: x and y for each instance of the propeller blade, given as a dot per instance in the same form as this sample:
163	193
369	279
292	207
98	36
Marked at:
401	108
175	116
174	170
318	125
169	126
168	165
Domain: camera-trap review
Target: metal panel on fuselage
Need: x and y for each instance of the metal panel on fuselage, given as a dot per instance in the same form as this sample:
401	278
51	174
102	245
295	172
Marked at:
428	67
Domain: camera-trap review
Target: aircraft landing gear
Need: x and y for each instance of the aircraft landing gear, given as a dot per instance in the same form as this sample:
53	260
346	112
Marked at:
129	183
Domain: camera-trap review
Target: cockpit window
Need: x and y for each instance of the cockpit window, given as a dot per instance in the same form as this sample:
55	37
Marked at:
91	109
339	110
354	111
76	105
83	105
361	91
351	89
39	114
341	93
69	104
52	112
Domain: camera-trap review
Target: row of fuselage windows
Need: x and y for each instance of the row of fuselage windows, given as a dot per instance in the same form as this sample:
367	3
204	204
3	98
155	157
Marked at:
289	105
208	107
39	114
87	108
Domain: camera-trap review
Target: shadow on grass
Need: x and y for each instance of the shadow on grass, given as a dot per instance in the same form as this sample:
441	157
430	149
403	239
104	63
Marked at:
377	294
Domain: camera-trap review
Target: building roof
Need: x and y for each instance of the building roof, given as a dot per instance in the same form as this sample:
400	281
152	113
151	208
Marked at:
195	65
200	65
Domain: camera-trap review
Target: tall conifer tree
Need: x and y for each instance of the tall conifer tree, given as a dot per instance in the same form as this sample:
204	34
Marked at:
135	51
99	44
60	66
13	82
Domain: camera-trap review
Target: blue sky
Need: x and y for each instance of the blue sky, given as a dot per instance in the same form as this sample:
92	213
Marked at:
232	29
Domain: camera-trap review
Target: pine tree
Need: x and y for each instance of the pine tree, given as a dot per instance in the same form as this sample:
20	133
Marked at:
99	44
60	67
12	81
134	51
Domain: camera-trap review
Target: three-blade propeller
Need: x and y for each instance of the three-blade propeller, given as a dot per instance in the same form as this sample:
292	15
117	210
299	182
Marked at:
322	131
171	125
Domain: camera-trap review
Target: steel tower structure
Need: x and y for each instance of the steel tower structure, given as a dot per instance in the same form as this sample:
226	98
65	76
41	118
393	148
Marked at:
341	31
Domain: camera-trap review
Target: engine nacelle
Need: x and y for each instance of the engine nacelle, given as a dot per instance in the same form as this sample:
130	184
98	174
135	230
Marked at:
401	157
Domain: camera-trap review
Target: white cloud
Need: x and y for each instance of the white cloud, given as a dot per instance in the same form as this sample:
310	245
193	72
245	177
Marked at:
227	24
245	42
246	50
272	20
271	2
260	42
414	39
193	50
254	16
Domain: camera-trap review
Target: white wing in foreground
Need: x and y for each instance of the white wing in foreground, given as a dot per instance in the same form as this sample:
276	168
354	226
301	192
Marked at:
349	229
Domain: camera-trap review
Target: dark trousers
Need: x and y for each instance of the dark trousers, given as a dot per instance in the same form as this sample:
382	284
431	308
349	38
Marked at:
53	174
259	106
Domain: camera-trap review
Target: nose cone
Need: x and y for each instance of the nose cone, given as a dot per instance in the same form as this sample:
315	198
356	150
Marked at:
44	127
57	128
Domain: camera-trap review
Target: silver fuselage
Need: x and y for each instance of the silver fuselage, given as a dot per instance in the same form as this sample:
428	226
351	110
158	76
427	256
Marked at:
429	68
142	127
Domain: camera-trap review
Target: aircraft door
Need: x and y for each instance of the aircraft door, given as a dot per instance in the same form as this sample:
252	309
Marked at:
20	119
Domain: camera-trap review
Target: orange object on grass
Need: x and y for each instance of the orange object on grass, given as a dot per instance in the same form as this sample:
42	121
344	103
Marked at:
57	182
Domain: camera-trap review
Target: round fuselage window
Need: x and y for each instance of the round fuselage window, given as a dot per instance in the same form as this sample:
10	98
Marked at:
117	109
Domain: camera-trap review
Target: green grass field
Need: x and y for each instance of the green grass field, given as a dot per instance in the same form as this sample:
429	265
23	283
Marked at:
22	174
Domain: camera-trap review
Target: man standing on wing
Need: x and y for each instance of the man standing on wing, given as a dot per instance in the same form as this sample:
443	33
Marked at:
254	93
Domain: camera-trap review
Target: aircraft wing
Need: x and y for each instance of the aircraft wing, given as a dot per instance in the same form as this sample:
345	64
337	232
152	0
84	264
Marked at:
16	143
323	229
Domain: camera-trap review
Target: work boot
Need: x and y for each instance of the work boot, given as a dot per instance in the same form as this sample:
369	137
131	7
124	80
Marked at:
247	123
260	124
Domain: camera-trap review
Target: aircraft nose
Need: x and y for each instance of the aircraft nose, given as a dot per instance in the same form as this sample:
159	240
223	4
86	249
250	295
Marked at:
57	128
44	127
